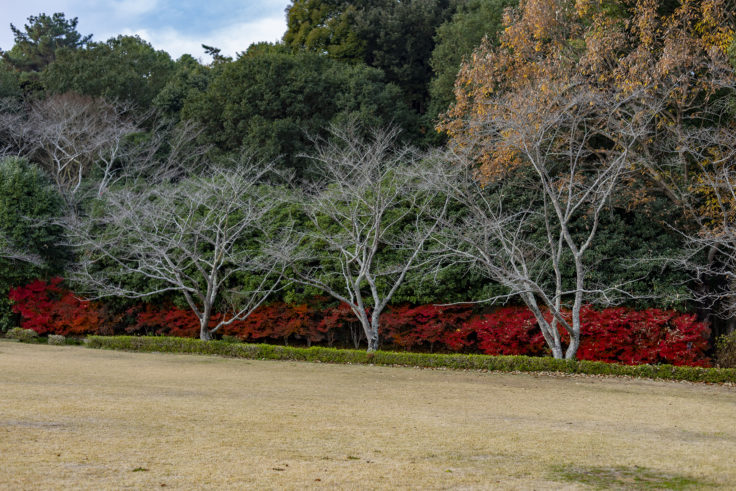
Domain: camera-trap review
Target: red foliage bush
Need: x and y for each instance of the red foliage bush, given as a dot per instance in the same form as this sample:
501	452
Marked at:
427	326
164	319
508	331
47	308
277	321
618	335
647	336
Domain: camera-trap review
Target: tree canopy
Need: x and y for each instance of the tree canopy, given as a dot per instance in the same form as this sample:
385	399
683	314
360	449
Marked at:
30	241
273	102
36	46
396	37
125	68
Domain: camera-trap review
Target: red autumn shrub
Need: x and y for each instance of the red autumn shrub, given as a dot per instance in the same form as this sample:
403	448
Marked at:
685	342
47	308
337	319
425	326
618	335
648	336
281	321
508	331
166	320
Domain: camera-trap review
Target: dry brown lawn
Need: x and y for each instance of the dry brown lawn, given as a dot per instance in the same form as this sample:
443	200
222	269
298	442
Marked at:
72	417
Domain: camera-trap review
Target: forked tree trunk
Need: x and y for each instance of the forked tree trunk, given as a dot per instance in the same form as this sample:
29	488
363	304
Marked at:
549	331
370	328
572	348
553	342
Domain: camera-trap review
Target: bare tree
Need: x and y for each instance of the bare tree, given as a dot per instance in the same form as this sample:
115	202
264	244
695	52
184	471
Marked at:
13	138
71	136
369	220
88	144
13	253
195	237
557	162
172	152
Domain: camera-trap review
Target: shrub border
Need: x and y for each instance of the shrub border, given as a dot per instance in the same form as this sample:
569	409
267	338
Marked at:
317	354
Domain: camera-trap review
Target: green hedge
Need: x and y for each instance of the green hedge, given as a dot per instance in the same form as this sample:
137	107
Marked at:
424	360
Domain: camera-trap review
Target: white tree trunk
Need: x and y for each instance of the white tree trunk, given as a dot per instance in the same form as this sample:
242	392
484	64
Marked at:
204	331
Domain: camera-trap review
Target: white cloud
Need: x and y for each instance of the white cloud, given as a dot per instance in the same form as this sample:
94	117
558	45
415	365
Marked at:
132	8
108	18
238	37
231	39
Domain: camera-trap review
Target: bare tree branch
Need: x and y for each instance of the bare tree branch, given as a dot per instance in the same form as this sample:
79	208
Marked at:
369	216
566	164
9	251
193	237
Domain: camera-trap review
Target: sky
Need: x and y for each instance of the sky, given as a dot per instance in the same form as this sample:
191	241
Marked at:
177	27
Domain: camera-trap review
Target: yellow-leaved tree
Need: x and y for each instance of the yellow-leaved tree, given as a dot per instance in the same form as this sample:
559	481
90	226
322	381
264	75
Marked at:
581	99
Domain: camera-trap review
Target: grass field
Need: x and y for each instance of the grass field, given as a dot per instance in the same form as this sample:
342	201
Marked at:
71	417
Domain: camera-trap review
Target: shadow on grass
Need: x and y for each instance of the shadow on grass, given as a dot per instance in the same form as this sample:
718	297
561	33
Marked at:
633	478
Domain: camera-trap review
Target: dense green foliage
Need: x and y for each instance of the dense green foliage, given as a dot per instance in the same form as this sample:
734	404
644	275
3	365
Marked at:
273	103
30	243
399	39
395	37
125	68
9	81
423	360
189	78
36	46
325	26
455	40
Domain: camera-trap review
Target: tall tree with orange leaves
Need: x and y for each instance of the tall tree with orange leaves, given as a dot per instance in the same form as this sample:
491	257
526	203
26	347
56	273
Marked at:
673	57
583	96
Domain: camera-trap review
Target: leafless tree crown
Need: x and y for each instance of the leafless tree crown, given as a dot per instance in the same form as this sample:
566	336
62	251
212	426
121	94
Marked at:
369	200
193	237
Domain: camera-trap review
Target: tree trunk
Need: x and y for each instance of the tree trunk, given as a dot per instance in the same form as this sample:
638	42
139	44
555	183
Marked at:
373	343
204	332
572	348
557	352
372	333
549	332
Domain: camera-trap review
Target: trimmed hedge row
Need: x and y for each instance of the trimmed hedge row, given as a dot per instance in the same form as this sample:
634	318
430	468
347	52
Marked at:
423	360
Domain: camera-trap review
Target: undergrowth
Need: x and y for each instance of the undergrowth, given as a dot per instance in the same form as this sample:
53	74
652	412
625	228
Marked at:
424	360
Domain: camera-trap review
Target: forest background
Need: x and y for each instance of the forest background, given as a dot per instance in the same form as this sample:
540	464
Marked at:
470	82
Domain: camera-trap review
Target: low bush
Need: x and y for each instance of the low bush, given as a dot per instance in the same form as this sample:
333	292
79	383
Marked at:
57	339
48	308
22	335
615	335
726	351
231	339
424	360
